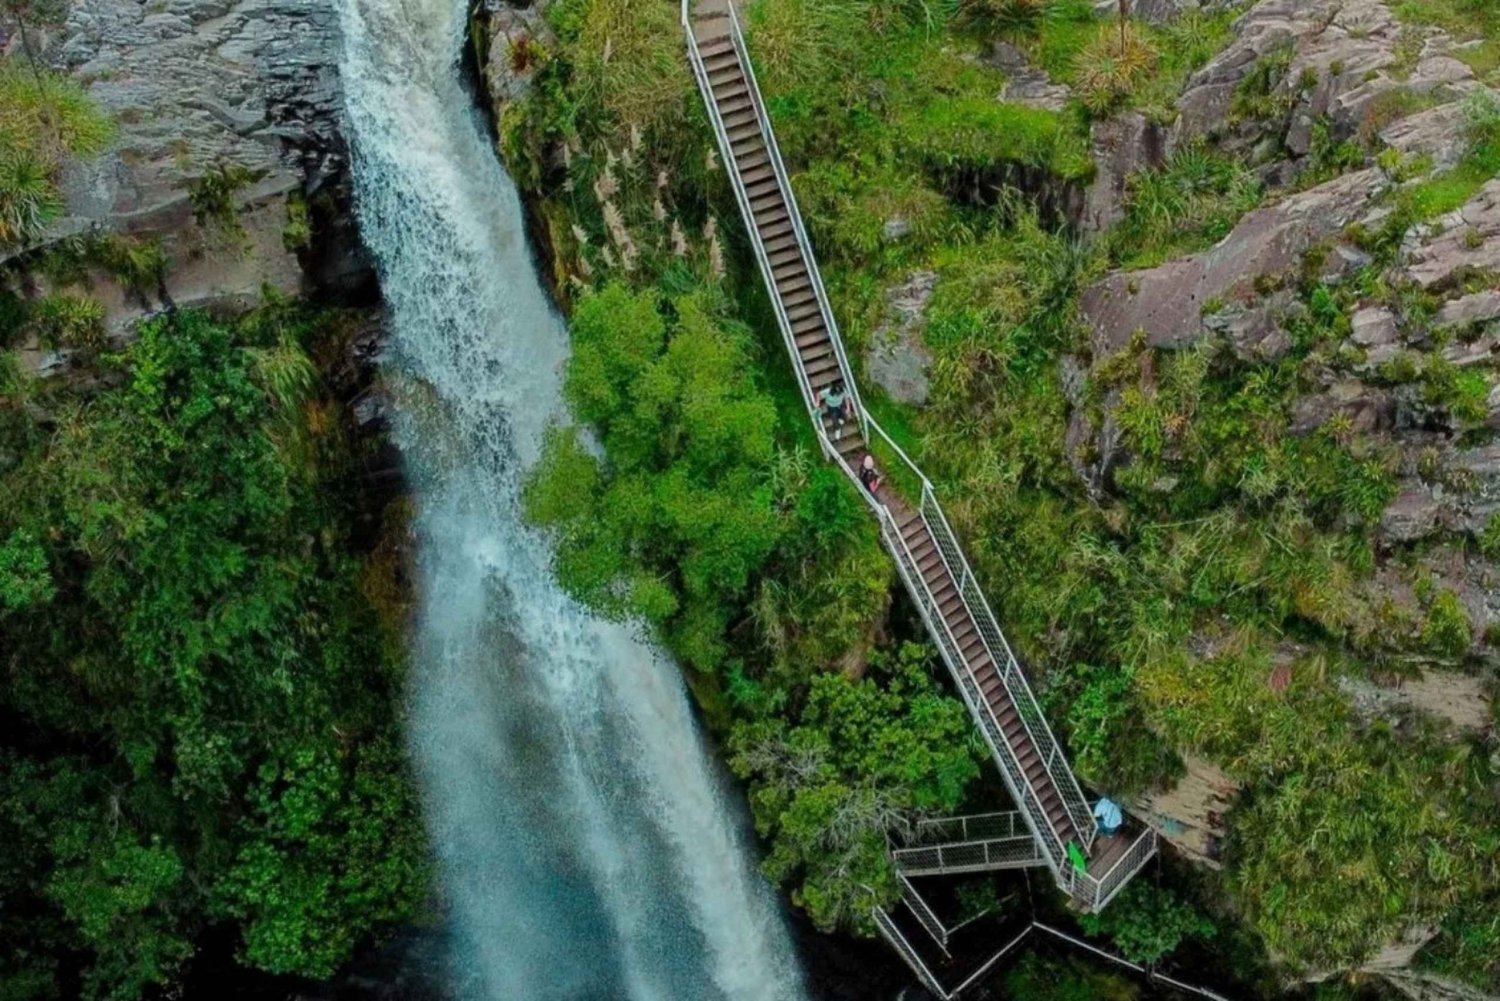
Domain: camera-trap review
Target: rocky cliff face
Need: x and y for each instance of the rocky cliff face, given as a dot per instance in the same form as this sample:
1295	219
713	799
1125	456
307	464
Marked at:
246	88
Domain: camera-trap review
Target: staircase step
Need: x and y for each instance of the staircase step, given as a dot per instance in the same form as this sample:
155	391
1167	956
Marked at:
808	340
759	174
850	444
824	368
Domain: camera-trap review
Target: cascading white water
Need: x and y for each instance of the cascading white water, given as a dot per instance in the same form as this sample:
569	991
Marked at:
587	845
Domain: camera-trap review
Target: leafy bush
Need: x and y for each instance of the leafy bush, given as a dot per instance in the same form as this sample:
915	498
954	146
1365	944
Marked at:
200	726
859	762
214	195
1147	922
1447	629
676	525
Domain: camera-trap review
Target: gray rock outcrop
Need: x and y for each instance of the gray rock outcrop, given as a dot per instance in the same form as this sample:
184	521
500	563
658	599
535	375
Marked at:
895	358
1167	302
1468	240
1025	83
194	83
1122	145
1333	59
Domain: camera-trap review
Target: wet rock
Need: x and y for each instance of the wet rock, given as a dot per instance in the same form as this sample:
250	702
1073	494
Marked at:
1025	83
1167	301
1121	146
1469	240
896	359
517	36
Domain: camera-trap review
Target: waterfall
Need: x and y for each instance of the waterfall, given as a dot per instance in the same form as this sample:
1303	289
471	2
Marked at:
587	845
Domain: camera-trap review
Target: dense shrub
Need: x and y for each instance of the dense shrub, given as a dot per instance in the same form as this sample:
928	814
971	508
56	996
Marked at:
198	721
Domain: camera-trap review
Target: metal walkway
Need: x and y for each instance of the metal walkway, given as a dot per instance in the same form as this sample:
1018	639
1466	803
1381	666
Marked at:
927	554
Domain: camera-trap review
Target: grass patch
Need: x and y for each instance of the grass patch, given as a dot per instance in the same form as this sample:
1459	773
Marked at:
1464	19
45	118
1189	205
1084	51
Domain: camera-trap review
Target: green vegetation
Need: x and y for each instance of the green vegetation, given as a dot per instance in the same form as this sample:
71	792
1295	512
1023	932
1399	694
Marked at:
1182	559
44	119
1037	978
198	722
1424	200
838	777
214	196
1190	204
1146	923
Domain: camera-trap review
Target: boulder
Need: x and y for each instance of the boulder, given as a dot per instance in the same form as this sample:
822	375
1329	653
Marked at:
1167	302
1368	409
1025	83
1374	329
1416	513
1121	146
516	36
1469	311
1256	332
1439	133
896	359
1469	240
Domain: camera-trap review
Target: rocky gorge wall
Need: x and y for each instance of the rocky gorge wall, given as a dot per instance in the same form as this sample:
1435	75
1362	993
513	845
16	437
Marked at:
242	93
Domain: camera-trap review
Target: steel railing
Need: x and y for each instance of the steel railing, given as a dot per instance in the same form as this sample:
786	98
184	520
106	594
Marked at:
1026	795
1094	893
986	855
898	941
1003	824
923	913
1012	677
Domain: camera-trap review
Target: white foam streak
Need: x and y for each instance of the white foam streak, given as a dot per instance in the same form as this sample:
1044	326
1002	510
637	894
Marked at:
587	844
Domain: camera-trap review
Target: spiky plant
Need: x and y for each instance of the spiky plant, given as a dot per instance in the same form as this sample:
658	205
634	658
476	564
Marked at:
27	198
1112	65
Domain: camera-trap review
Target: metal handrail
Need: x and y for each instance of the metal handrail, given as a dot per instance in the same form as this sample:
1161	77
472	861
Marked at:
924	914
963	822
731	168
804	245
1027	708
1104	888
1021	789
1020	851
894	936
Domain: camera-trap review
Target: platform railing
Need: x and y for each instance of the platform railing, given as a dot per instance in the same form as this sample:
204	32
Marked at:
1090	891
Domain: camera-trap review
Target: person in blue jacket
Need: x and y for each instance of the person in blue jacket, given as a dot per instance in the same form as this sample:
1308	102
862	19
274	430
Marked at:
1109	815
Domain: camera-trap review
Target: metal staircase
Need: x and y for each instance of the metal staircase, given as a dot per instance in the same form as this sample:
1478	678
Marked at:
1051	805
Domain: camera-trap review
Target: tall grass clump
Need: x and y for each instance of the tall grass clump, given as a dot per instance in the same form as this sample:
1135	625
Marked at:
45	118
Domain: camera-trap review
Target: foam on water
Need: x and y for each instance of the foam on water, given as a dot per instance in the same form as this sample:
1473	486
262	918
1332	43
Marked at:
587	844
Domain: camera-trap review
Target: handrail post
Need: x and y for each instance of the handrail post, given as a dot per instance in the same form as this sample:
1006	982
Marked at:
1050	843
